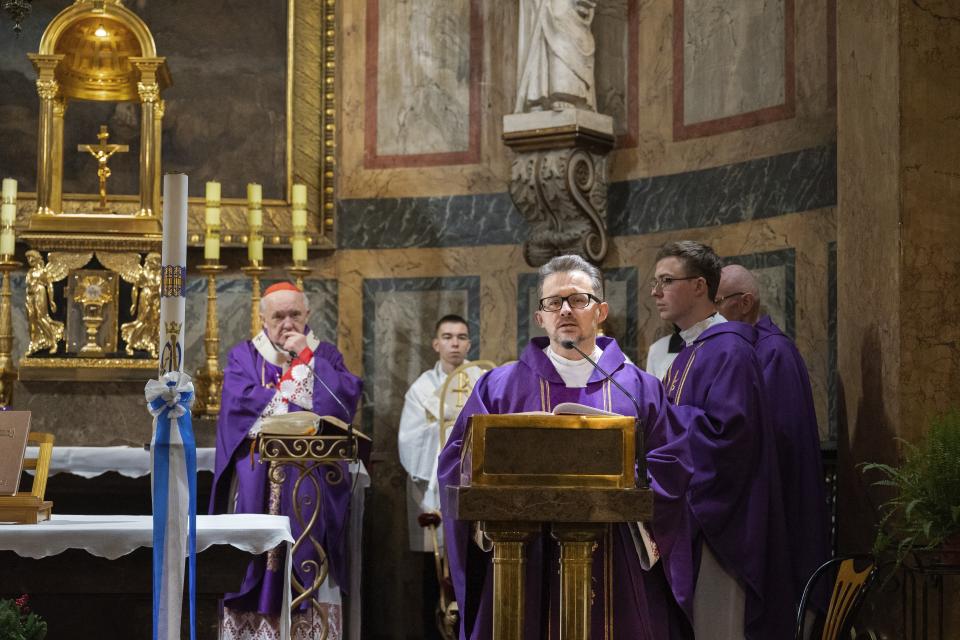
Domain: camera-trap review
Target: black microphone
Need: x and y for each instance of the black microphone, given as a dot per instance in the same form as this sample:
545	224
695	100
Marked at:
638	442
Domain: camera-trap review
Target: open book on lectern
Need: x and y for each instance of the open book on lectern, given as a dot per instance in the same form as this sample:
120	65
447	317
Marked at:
570	409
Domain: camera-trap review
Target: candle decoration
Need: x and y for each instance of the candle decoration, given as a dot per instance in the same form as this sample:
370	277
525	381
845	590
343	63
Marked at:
211	240
8	216
255	223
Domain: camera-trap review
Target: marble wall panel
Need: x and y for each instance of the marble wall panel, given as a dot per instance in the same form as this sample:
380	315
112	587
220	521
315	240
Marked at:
734	59
832	398
657	149
423	72
796	181
620	293
399	318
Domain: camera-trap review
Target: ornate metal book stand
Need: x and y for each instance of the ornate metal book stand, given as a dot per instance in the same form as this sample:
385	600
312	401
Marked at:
306	454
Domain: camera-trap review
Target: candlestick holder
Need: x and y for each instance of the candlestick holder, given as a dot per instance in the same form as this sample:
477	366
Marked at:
255	271
298	271
209	378
8	374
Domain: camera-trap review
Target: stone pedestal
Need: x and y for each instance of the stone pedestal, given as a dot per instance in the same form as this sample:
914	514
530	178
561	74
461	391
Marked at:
559	181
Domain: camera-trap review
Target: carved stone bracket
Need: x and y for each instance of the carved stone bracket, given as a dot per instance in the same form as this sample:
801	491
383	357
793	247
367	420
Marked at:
559	181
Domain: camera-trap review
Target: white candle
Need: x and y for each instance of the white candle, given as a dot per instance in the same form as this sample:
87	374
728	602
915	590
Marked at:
255	218
300	219
255	248
211	247
7	242
299	199
299	249
9	190
213	192
8	213
174	275
254	193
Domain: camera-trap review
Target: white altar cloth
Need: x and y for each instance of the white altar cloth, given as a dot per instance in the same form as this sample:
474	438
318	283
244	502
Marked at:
90	462
114	536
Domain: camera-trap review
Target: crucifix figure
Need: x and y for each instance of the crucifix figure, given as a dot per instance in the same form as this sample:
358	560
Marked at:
102	152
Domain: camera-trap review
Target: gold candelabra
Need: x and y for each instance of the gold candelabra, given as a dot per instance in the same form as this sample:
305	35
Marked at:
8	374
209	378
298	271
255	270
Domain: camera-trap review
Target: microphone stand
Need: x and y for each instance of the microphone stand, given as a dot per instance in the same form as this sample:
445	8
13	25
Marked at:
638	440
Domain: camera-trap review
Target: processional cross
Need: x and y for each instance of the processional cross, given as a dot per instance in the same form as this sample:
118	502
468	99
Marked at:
463	389
102	152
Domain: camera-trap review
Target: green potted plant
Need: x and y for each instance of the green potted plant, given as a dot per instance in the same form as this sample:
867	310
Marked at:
17	622
924	512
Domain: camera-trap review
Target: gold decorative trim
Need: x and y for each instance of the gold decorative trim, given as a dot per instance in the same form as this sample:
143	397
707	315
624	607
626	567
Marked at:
87	369
92	242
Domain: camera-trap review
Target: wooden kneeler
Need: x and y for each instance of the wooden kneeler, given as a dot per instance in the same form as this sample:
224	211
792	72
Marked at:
31	508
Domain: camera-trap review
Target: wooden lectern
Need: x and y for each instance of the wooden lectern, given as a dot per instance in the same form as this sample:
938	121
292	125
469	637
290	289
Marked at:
575	472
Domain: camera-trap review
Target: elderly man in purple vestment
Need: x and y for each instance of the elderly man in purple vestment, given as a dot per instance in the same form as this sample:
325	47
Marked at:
728	566
285	368
630	598
794	421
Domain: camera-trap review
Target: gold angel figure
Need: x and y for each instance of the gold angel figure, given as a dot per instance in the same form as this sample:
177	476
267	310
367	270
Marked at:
143	332
45	332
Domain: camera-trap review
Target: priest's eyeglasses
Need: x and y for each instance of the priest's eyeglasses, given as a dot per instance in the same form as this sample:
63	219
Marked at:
575	300
664	282
722	299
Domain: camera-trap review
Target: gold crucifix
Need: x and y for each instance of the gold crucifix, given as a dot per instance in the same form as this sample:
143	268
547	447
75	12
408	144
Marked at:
102	152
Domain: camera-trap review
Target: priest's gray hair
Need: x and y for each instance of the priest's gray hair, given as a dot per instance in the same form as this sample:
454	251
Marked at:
567	263
306	304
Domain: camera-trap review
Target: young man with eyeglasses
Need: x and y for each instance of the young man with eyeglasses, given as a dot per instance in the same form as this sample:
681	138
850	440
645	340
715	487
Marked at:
629	599
728	560
793	419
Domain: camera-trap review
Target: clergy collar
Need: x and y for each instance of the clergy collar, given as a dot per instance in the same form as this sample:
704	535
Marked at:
273	355
539	362
692	333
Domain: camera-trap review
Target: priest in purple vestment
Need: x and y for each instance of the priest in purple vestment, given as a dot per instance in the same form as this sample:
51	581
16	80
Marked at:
728	567
794	420
631	599
285	368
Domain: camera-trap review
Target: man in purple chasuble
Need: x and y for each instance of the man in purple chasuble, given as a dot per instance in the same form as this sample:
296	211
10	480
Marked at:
629	601
728	567
263	378
794	420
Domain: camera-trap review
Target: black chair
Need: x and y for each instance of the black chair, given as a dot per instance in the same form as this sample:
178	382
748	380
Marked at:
849	589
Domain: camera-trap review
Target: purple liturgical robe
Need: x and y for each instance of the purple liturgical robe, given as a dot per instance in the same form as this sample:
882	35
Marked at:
734	495
794	421
249	382
628	601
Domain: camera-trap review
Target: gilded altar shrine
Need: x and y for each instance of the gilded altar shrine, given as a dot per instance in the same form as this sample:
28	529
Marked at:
93	274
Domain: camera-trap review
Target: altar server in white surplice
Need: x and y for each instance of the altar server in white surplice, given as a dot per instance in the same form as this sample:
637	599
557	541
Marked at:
419	434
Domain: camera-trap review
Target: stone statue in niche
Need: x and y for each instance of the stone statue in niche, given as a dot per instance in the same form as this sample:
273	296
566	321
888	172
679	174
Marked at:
555	55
